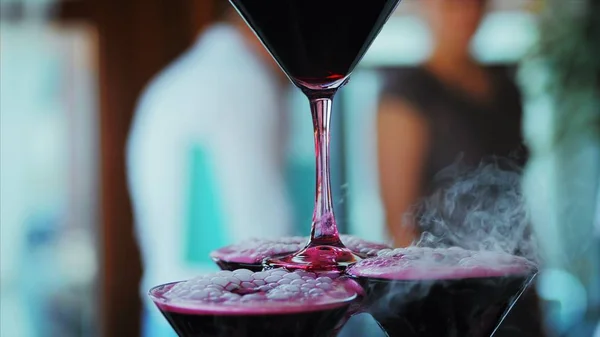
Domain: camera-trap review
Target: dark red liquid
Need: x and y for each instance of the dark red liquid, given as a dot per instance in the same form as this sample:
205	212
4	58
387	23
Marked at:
441	308
317	42
226	265
303	324
273	303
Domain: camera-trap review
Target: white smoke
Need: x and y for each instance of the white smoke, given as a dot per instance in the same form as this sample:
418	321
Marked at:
477	208
480	209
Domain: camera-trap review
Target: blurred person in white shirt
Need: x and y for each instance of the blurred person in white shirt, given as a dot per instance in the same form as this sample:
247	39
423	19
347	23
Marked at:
226	96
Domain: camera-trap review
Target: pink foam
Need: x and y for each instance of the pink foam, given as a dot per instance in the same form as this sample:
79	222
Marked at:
430	264
245	293
254	251
360	246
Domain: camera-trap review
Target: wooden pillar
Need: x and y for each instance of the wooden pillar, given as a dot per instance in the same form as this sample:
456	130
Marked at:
136	39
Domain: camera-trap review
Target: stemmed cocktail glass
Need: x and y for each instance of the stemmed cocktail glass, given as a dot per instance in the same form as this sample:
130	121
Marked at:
317	43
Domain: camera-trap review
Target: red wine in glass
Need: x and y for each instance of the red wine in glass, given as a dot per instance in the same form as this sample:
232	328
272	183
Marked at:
317	43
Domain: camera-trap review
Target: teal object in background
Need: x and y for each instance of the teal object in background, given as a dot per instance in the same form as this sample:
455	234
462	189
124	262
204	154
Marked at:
204	228
205	219
300	163
300	177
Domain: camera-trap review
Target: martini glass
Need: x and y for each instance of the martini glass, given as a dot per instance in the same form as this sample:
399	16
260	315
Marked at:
424	292
317	43
265	304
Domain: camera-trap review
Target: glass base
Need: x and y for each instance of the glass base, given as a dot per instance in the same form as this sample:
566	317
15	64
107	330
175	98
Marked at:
321	258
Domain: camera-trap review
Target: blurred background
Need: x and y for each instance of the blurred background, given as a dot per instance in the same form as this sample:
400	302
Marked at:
71	73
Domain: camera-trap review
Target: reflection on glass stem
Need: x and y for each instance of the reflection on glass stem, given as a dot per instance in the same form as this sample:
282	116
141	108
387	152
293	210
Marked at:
323	224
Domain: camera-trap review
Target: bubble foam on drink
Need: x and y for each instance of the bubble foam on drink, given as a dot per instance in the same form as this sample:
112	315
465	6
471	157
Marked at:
243	292
254	251
422	263
362	247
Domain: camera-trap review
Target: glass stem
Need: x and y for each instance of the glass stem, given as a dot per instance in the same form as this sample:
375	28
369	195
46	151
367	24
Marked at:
324	228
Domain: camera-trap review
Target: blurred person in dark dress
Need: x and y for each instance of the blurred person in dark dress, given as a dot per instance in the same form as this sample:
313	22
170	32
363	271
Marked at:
449	108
